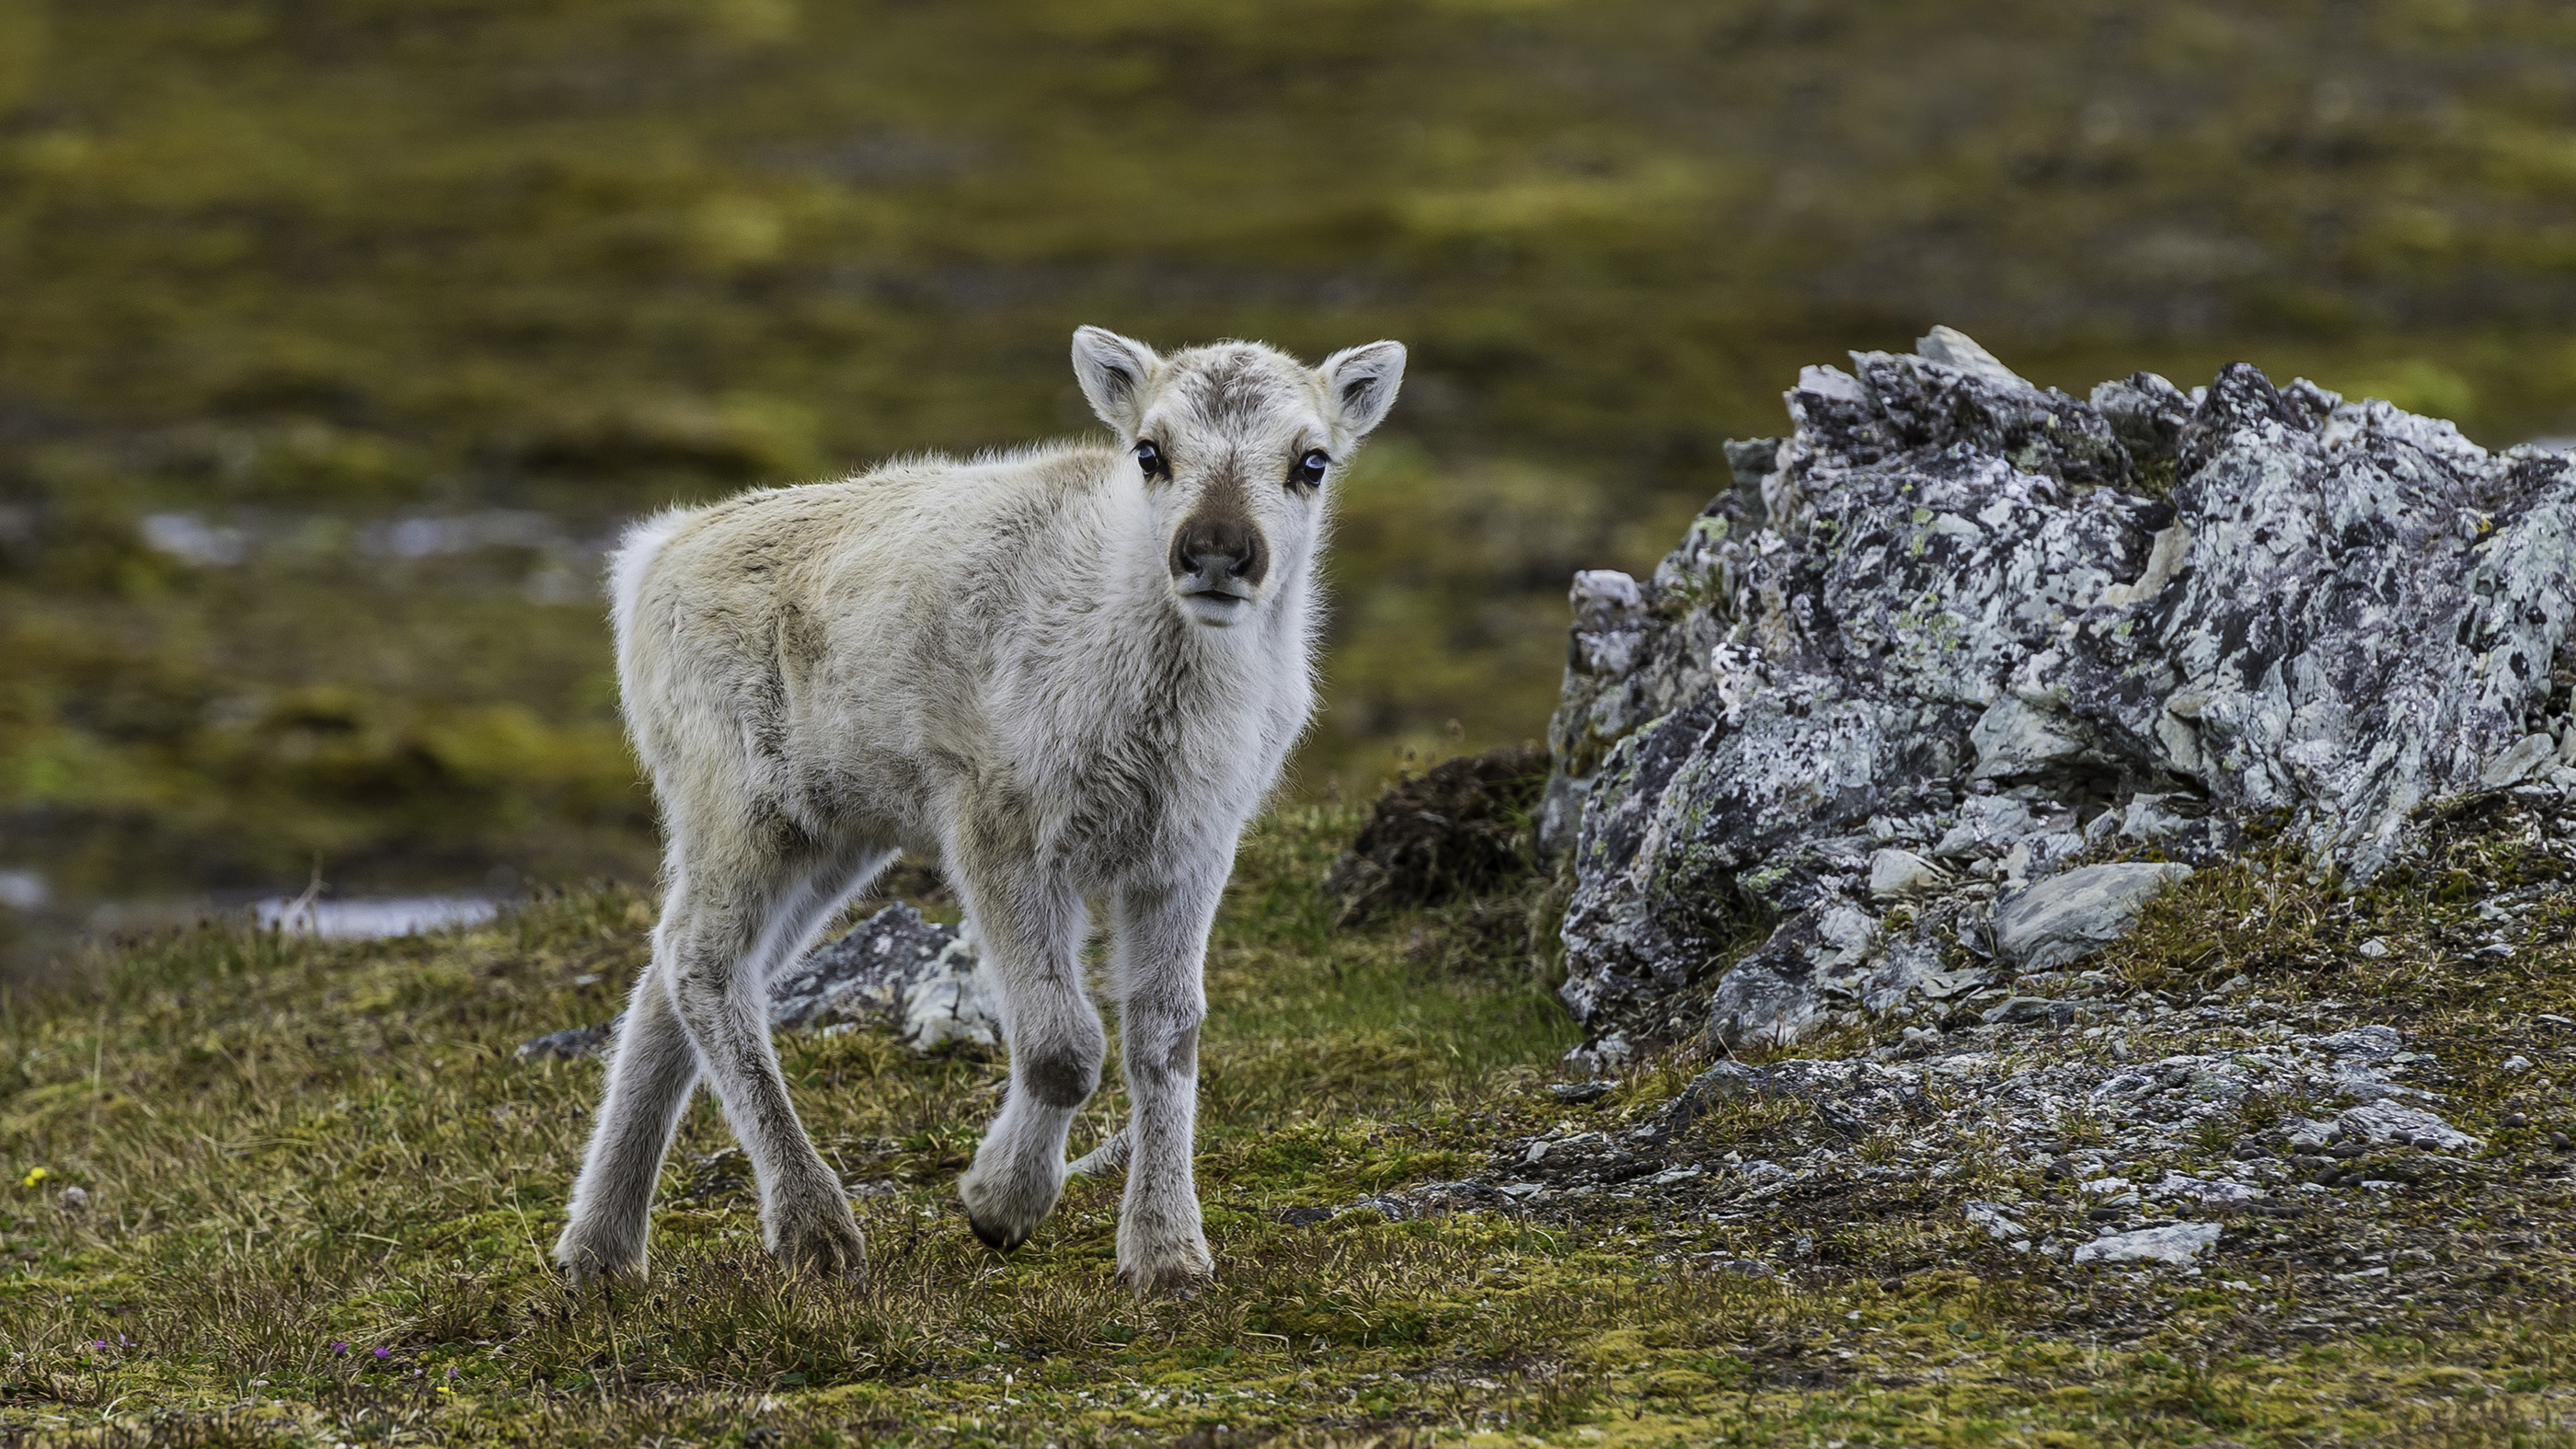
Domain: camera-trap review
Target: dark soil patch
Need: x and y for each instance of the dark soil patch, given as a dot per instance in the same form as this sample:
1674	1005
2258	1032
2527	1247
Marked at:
1458	829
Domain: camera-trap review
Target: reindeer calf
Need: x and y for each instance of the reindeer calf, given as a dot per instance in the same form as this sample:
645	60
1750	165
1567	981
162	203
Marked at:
1067	673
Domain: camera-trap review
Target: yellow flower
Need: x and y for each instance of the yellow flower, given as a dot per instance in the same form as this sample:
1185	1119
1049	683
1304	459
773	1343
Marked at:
32	1178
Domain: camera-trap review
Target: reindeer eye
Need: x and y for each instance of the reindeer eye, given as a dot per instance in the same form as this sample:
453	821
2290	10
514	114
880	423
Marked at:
1310	469
1150	458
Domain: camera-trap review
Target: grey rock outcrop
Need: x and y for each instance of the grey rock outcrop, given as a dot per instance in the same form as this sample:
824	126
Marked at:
1956	635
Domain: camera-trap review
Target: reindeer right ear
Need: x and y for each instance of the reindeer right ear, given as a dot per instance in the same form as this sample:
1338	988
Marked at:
1362	382
1112	370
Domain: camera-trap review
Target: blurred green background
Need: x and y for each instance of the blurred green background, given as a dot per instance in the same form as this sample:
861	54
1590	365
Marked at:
336	336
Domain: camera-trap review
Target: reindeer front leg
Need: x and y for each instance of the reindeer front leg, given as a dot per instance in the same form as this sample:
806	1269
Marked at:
1030	927
1162	956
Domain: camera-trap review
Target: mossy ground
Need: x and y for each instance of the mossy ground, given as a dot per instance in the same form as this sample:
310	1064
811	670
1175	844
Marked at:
321	1189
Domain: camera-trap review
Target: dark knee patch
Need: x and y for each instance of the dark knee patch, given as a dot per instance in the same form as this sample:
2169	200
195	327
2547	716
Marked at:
1184	1053
1062	1079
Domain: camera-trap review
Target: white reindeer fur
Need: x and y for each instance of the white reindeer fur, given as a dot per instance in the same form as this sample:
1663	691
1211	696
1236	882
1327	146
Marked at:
992	664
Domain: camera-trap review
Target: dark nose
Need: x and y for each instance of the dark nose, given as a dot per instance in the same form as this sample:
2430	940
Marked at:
1215	546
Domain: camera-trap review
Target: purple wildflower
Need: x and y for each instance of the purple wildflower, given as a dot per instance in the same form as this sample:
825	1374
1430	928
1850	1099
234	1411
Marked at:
383	1352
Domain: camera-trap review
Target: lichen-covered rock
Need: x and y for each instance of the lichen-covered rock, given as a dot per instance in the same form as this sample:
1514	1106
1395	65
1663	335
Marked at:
2385	1121
2169	1243
920	977
1957	634
1815	959
2067	917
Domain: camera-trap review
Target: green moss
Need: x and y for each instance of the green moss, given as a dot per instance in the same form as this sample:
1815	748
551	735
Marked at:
2153	475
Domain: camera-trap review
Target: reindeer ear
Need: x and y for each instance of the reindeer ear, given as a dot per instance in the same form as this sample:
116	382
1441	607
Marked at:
1112	370
1362	383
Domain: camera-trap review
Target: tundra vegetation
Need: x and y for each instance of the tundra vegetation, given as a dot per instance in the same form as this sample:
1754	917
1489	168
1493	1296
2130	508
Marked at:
315	1187
338	336
387	312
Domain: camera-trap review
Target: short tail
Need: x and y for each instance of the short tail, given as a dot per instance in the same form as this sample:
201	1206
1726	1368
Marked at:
634	556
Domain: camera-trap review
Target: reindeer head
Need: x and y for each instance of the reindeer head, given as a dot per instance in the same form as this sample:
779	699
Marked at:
1236	445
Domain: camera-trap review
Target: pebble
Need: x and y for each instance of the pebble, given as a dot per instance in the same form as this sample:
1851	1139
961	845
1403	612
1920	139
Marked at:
1994	1219
570	1045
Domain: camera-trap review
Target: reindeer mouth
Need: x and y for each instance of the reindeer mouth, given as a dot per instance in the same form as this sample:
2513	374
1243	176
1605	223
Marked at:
1214	604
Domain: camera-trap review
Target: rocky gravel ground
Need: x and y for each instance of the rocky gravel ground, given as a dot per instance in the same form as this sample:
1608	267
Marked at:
2323	1165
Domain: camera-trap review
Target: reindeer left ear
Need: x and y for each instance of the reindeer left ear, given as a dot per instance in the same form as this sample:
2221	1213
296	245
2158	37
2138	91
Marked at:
1112	370
1362	381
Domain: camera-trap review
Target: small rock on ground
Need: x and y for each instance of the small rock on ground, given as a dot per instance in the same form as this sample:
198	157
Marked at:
2070	916
2170	1243
924	978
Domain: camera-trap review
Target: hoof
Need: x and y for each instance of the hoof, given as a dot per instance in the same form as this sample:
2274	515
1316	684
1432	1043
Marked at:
587	1264
1174	1275
848	1268
994	1238
1005	1210
1106	1160
823	1242
1179	1287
